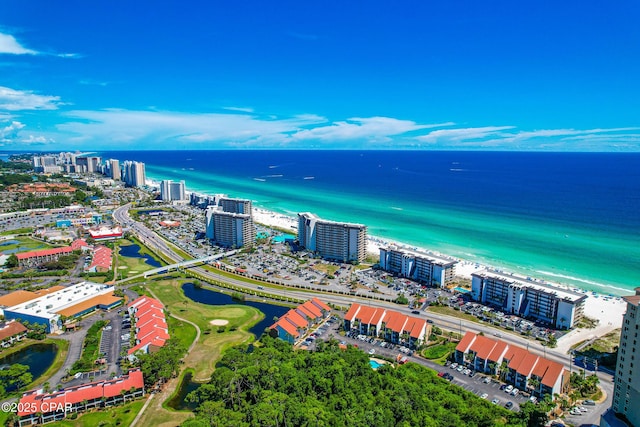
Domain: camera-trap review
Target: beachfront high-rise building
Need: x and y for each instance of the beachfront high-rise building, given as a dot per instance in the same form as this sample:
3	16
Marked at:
229	229
45	164
88	164
134	174
339	241
528	297
170	190
626	393
114	169
239	206
419	266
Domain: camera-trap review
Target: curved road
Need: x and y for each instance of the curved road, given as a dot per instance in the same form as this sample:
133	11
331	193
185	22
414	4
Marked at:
151	239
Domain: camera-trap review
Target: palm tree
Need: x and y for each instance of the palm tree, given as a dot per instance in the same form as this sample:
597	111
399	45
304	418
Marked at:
533	384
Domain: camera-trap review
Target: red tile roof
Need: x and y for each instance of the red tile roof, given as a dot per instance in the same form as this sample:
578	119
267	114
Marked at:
320	304
79	244
395	321
12	328
44	252
34	401
351	313
466	341
295	319
102	258
312	308
288	327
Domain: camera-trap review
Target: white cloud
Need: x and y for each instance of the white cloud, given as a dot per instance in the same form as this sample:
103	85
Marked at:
373	129
9	44
240	109
36	140
15	100
9	133
168	129
461	134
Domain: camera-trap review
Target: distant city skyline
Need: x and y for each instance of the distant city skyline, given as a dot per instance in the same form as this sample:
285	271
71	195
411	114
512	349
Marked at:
464	75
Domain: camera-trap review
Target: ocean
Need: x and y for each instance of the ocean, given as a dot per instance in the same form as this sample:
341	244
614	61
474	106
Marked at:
570	218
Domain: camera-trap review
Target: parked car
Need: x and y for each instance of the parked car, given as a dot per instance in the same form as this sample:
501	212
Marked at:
508	389
487	380
589	402
484	395
509	405
514	392
495	401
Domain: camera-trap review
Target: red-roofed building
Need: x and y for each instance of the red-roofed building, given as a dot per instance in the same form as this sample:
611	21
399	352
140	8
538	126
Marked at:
295	323
150	325
524	369
34	258
80	244
102	259
105	233
37	407
390	325
11	332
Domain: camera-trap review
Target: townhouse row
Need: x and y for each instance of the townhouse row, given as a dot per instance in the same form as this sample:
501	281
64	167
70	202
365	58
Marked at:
389	325
517	366
151	327
295	323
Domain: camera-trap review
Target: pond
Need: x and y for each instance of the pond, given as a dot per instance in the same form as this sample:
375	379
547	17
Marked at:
37	356
186	386
133	251
207	296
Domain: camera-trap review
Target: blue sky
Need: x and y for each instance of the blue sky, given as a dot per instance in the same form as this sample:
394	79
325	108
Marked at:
494	75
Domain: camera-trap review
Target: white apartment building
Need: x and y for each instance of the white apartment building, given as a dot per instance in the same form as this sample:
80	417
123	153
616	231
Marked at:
134	173
114	169
239	206
170	191
419	266
626	393
528	297
339	241
229	229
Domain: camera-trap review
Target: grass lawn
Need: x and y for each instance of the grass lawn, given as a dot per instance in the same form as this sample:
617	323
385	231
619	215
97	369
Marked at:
454	313
25	230
210	346
133	264
328	269
25	244
115	416
438	351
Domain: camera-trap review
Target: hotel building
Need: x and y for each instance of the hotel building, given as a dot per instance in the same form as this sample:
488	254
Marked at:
387	324
114	169
523	369
528	298
134	173
170	191
626	394
419	266
339	241
229	223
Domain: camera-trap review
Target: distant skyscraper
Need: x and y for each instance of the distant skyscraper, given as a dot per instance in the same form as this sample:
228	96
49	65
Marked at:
114	169
340	241
134	175
626	393
88	164
45	164
170	190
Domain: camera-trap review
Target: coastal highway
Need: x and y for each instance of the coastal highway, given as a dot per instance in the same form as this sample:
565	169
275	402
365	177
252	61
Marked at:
154	241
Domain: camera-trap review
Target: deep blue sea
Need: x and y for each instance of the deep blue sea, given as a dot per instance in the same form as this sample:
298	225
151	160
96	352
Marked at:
571	218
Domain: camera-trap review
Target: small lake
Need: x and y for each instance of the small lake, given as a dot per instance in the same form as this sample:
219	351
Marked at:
37	356
186	386
207	296
133	251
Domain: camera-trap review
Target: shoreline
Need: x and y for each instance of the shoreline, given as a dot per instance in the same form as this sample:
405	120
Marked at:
607	309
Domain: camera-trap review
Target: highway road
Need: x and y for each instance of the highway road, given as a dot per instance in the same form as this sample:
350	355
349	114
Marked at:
151	239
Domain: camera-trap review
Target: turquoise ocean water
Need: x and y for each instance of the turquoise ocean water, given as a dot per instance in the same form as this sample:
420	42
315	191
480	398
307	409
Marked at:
565	217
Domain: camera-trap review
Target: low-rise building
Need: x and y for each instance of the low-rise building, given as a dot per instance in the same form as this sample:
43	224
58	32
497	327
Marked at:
521	368
11	332
38	407
46	308
103	233
151	327
389	325
296	322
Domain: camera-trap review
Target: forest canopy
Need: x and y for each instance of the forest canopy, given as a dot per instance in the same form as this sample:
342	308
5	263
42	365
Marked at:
273	385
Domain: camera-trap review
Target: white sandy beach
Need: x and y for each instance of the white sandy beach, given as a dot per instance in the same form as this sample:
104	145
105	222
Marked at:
608	310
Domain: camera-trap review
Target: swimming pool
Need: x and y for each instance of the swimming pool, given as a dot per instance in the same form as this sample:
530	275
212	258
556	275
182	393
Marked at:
282	237
462	290
374	364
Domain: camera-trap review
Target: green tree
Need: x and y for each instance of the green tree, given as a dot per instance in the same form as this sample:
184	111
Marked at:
12	261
